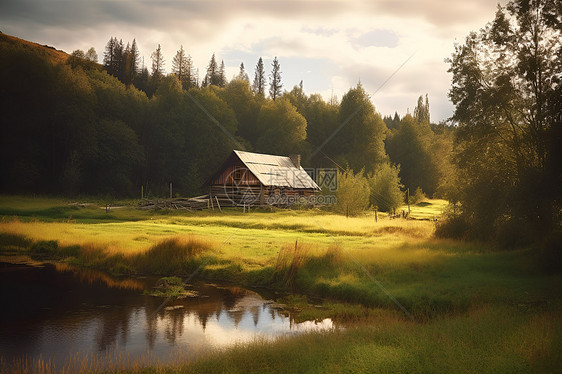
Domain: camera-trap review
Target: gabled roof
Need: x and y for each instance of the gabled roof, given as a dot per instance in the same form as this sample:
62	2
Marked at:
276	171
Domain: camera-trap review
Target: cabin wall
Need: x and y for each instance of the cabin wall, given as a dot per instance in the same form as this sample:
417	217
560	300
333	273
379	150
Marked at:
236	174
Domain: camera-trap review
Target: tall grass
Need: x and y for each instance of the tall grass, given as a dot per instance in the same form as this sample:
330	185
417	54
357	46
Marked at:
289	260
171	256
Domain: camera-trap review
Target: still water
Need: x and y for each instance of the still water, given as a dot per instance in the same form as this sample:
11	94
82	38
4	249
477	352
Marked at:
55	312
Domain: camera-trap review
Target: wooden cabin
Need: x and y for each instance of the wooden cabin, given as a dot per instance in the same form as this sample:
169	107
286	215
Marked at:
250	179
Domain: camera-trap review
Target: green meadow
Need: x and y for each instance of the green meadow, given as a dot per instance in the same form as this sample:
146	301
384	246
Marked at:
469	306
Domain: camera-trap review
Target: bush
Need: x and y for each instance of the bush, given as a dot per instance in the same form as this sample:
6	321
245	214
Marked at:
385	187
453	227
45	246
353	193
418	196
14	240
512	233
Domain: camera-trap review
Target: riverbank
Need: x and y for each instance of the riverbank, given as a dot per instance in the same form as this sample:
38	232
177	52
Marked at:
392	277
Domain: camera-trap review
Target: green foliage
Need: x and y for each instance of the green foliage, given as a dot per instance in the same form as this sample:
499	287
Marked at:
385	186
505	86
182	67
353	193
169	287
275	84
8	241
282	129
238	95
361	141
77	128
410	147
418	196
258	85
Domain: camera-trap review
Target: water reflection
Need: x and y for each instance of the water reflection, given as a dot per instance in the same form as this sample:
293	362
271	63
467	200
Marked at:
57	310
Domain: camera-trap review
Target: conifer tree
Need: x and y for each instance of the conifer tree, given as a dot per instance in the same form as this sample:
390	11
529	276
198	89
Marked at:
213	74
275	84
222	75
109	56
133	60
182	67
258	85
157	64
242	75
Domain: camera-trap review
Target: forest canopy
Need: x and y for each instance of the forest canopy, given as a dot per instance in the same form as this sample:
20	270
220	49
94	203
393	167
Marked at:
76	126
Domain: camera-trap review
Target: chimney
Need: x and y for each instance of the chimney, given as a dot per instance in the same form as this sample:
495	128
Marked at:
296	159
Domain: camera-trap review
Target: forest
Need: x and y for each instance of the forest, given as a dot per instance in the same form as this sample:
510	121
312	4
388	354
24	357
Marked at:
79	127
108	129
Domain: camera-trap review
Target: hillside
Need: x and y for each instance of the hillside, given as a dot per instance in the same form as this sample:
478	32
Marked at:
55	55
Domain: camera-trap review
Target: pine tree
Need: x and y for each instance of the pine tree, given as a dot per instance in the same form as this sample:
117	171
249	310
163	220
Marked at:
141	81
190	74
109	56
133	62
157	64
213	76
118	60
182	67
259	79
275	84
179	64
222	75
242	75
124	68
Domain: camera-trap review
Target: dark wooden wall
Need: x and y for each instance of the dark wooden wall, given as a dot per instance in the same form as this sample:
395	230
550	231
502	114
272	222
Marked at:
243	177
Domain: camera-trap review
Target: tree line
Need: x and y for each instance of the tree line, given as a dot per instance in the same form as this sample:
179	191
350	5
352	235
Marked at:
124	63
86	128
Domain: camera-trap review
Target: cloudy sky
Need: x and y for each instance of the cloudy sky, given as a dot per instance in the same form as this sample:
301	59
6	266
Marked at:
330	45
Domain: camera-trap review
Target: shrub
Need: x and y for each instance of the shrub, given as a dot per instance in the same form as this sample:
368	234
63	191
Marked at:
418	196
45	246
353	193
453	226
14	240
385	186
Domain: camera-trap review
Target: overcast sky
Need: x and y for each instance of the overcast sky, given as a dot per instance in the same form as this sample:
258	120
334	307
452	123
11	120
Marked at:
330	45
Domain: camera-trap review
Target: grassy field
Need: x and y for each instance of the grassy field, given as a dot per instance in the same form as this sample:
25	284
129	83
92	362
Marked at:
472	308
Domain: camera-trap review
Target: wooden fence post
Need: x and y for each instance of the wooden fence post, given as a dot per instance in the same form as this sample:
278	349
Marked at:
218	204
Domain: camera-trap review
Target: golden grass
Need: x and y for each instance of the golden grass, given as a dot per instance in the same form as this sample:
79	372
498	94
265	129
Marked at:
254	236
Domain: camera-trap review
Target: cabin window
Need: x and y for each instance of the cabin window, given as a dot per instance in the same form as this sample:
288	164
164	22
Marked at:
237	173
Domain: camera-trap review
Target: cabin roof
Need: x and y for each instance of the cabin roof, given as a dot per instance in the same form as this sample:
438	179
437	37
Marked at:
276	171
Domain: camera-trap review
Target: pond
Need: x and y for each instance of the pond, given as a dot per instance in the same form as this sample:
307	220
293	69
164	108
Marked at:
61	314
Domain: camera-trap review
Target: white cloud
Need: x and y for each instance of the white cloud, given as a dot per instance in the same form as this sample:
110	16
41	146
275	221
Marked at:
344	40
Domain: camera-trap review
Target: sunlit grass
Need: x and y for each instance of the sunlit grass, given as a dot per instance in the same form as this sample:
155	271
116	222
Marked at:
339	258
480	309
